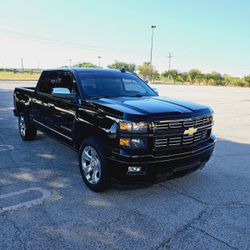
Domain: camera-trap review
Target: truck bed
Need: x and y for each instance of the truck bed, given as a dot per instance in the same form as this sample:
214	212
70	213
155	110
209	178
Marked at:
25	89
22	97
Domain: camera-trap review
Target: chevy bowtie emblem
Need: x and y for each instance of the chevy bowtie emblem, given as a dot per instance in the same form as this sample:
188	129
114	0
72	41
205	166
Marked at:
190	131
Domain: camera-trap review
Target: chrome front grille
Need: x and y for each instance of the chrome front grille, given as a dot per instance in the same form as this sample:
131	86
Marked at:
170	134
182	140
163	125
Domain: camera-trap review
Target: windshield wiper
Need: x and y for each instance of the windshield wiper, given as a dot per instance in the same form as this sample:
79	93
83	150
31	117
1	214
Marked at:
137	95
98	97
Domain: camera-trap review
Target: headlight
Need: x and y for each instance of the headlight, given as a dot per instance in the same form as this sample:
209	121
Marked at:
134	143
133	127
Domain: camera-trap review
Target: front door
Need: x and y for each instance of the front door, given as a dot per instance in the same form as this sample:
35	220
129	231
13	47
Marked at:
63	116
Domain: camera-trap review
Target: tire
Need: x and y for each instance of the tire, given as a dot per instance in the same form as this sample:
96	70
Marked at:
26	129
93	164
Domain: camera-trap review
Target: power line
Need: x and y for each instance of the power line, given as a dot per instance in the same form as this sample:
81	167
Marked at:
9	33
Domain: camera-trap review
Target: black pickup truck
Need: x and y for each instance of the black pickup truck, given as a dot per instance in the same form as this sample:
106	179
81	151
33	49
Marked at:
125	134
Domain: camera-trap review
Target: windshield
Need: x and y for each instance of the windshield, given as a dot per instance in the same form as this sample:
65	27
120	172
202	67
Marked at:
113	85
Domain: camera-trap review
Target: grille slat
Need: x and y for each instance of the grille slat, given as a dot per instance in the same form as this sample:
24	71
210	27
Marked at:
169	125
176	127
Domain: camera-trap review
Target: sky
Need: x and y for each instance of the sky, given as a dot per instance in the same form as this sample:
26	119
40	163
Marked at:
205	34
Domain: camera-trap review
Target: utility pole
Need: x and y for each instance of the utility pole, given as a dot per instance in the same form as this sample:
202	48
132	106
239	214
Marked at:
70	63
169	60
152	43
22	65
99	61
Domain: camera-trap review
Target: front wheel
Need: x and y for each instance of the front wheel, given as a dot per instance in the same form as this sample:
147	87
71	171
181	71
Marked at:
92	163
26	129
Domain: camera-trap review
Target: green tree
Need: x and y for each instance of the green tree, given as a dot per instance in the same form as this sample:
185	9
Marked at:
217	78
247	80
171	74
182	77
147	72
195	75
85	65
131	67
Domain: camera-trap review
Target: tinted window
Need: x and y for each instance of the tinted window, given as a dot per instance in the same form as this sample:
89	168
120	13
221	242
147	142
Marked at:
65	80
131	85
47	82
113	85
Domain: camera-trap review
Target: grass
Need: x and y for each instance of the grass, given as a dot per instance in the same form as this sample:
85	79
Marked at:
11	76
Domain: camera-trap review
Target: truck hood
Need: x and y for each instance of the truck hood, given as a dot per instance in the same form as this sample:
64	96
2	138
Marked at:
149	108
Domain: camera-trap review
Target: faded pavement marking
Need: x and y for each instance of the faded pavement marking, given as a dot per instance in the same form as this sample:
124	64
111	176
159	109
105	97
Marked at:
6	147
45	195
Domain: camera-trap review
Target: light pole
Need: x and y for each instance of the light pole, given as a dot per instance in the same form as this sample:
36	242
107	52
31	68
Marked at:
99	61
152	43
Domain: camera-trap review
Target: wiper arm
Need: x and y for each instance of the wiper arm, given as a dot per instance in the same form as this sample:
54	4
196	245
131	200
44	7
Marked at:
97	97
137	95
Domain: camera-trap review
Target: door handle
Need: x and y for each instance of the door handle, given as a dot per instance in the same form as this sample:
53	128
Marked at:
51	105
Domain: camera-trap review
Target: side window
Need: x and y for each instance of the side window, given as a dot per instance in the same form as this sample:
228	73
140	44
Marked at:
47	82
65	80
131	85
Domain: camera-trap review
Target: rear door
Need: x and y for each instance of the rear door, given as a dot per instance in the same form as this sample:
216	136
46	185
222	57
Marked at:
41	109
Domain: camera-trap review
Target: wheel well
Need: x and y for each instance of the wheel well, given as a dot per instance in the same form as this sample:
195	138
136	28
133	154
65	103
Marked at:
20	108
80	137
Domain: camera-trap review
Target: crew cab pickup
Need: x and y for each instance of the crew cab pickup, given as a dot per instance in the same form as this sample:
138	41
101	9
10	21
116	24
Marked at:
125	134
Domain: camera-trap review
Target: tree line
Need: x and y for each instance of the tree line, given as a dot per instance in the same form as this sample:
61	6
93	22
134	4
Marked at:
194	76
149	73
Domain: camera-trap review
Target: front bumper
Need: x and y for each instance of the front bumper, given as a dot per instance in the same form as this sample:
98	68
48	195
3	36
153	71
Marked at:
156	168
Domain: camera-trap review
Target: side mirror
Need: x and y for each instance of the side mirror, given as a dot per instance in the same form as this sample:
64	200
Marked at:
63	93
156	91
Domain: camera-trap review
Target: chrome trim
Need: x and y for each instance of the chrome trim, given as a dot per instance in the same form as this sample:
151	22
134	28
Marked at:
88	111
64	110
52	130
51	105
68	129
82	120
114	119
177	156
183	120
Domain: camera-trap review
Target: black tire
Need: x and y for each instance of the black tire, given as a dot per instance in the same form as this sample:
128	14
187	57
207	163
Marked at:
104	180
26	129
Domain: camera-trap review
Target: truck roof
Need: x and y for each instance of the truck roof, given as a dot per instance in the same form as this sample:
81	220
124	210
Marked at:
90	70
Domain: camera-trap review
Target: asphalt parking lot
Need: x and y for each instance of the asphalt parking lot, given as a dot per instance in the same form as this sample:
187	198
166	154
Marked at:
45	205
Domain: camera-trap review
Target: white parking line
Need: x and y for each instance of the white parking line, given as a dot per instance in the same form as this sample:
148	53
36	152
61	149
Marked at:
46	194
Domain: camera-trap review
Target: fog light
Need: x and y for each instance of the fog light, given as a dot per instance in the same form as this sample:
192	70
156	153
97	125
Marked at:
134	169
137	143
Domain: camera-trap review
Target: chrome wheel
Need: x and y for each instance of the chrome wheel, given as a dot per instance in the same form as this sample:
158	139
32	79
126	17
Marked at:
22	126
91	165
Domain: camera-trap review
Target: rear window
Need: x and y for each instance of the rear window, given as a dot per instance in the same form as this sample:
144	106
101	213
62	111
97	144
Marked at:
47	82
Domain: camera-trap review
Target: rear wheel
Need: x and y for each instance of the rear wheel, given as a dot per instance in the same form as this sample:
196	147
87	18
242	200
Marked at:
26	129
93	167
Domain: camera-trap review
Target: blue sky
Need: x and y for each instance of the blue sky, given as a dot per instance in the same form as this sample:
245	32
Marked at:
205	34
